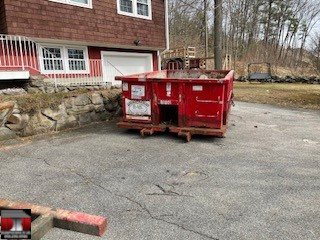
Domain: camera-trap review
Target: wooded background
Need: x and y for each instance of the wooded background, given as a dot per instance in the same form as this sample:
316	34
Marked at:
285	33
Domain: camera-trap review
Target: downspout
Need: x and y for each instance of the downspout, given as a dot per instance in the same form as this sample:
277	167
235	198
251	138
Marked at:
167	26
167	33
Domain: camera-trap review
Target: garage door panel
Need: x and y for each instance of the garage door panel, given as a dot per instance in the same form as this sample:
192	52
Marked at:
121	64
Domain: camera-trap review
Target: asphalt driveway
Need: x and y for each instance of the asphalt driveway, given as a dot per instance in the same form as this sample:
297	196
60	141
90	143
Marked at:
261	182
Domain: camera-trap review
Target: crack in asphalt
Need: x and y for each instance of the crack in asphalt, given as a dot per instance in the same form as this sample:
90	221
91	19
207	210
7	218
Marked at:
158	218
167	192
144	208
45	161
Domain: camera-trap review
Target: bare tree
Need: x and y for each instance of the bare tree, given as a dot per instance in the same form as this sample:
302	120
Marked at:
205	9
315	57
218	34
276	31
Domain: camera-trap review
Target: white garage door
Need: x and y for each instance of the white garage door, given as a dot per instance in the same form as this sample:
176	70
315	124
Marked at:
122	64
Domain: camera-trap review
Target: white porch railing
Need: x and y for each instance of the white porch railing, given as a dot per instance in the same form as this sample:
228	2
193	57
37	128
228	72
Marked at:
93	77
23	53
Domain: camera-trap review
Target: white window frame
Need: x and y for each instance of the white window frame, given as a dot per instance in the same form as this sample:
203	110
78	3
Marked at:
65	60
43	70
70	2
135	10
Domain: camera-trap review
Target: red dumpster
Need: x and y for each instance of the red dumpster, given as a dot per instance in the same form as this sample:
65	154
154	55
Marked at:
184	102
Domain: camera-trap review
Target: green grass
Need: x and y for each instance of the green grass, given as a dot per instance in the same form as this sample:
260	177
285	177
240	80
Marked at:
288	95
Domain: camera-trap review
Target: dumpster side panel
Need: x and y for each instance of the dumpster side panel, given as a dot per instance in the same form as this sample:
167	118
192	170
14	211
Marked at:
204	105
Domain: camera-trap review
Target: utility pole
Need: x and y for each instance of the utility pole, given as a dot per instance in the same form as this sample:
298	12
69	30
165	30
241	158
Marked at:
218	34
205	2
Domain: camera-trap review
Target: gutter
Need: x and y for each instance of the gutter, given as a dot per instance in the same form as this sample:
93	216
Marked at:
167	33
91	44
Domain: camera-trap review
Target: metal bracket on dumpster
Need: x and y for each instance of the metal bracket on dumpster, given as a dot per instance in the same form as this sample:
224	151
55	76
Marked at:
147	131
186	135
45	218
206	116
209	101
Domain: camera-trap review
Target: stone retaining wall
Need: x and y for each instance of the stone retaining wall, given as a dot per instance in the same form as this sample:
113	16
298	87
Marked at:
37	84
287	79
75	110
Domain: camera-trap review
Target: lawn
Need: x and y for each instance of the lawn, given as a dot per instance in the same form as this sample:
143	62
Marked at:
288	95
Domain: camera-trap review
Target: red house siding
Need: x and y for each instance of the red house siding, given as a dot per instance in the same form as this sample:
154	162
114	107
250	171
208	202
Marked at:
102	24
3	22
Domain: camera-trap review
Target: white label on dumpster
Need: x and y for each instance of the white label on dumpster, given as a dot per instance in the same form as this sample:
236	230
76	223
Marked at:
165	102
145	118
197	88
138	108
125	86
168	87
137	91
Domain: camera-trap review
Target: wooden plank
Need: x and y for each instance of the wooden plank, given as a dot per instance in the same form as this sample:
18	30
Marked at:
41	226
70	220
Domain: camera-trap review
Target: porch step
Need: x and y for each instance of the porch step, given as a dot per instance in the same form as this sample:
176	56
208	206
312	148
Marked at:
14	75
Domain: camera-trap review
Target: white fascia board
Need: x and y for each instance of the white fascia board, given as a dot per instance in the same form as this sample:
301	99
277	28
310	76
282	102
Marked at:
14	75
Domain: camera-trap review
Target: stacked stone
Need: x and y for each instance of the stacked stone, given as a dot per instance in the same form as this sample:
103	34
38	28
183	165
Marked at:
286	79
73	112
39	85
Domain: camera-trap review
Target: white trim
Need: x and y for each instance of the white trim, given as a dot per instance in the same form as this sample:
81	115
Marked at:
159	60
85	55
41	59
123	54
14	75
65	59
70	2
135	10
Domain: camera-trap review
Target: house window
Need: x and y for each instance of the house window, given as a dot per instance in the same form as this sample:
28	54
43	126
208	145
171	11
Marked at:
135	8
126	6
76	60
52	59
64	59
79	3
142	7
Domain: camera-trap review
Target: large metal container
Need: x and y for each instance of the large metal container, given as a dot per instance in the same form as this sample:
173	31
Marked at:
184	102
